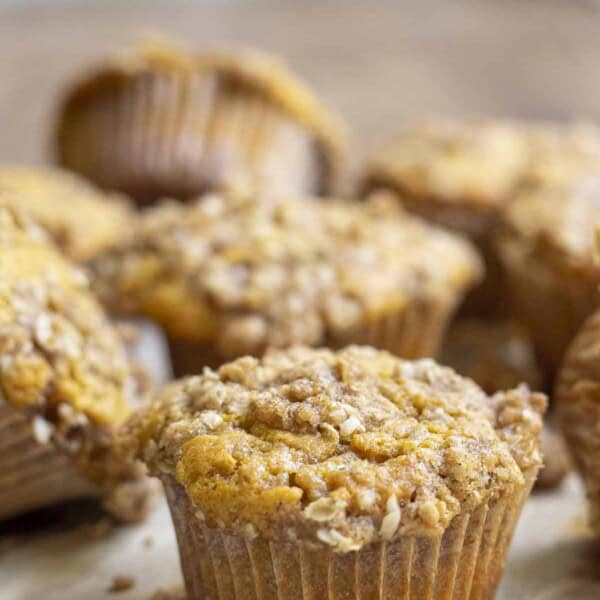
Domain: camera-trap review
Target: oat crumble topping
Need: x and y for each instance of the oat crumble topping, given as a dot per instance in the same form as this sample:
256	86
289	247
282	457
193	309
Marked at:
247	274
343	448
468	162
81	219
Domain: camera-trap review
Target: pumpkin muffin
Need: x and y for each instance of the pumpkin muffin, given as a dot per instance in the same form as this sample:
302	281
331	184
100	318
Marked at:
80	218
313	474
233	275
465	174
578	408
498	355
159	121
65	383
456	173
545	243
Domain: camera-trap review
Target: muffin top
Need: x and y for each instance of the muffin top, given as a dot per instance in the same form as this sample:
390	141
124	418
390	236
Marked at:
558	153
59	355
246	273
81	219
343	448
473	162
556	223
248	69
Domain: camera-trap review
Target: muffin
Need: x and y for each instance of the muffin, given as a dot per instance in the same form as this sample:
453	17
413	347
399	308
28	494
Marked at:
233	275
465	174
159	121
66	386
81	219
578	407
456	173
545	243
312	474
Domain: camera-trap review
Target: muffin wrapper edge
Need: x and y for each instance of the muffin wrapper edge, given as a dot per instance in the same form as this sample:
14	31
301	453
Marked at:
33	475
415	332
464	562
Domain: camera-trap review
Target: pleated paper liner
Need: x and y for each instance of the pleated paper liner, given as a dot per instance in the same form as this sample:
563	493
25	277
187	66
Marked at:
464	562
578	409
33	474
415	332
551	304
157	134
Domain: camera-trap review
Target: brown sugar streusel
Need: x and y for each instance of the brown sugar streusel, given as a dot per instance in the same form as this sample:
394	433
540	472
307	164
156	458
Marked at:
240	274
343	448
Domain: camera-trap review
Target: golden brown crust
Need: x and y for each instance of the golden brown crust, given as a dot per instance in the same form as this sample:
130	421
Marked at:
81	219
244	76
61	362
578	408
237	272
340	448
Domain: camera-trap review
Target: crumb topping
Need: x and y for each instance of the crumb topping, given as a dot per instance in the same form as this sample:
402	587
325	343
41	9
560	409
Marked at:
343	448
81	219
481	164
557	222
241	272
59	354
468	162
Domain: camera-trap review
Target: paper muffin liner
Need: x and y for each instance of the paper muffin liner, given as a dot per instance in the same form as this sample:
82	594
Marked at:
463	562
164	133
578	410
415	332
551	304
33	474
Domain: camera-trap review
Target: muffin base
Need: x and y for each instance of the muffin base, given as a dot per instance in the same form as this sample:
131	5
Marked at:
464	562
32	474
414	333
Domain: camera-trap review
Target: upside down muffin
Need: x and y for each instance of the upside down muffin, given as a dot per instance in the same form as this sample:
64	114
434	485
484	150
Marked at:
65	383
81	219
234	275
159	121
350	474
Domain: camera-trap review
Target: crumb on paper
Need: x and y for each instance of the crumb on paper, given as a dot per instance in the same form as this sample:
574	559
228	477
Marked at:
148	541
121	583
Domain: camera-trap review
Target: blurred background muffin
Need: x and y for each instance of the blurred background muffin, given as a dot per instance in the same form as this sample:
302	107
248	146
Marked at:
81	219
545	243
234	275
159	121
66	385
